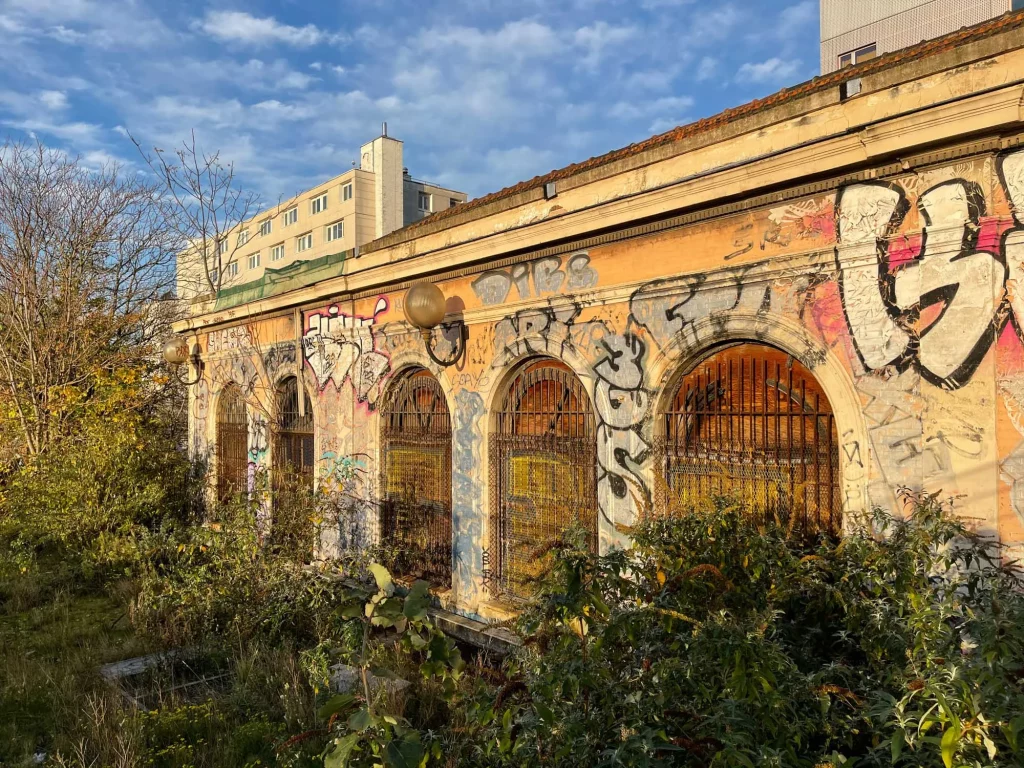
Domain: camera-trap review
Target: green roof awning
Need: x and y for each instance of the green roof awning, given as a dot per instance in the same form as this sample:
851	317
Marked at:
298	274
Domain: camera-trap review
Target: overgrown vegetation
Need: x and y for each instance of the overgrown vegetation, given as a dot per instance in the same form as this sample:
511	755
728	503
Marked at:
714	641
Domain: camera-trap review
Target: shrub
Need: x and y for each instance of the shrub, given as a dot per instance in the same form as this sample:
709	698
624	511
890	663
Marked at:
719	641
94	496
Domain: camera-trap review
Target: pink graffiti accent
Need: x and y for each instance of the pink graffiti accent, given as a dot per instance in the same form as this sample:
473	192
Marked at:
905	249
822	223
339	319
827	312
991	230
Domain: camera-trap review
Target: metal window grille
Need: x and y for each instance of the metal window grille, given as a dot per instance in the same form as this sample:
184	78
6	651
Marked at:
293	456
416	478
543	474
232	445
294	511
753	423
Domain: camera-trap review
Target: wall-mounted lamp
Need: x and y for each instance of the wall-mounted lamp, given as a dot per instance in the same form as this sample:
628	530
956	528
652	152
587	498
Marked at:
424	308
177	352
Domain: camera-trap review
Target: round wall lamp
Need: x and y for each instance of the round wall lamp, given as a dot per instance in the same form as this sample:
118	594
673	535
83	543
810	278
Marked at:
177	352
424	309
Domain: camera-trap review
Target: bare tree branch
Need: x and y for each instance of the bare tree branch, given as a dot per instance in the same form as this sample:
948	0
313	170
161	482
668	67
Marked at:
86	258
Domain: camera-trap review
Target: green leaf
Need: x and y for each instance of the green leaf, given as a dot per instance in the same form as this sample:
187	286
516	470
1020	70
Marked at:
404	752
336	705
383	579
949	742
417	601
361	720
899	738
339	756
351	610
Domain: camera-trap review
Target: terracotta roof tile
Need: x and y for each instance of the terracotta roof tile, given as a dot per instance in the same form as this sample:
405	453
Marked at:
822	82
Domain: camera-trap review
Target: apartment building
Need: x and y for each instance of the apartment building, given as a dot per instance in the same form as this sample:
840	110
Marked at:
853	31
342	214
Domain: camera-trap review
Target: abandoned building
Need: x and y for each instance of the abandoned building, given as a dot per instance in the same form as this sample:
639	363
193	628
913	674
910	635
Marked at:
808	302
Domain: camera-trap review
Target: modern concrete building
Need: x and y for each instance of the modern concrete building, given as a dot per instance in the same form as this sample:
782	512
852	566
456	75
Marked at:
854	31
333	218
808	302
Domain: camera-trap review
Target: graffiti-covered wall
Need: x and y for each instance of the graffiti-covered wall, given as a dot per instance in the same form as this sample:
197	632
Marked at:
900	295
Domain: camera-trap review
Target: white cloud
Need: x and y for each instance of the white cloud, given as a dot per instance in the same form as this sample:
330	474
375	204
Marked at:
54	100
597	37
624	110
242	27
516	40
798	15
774	70
707	68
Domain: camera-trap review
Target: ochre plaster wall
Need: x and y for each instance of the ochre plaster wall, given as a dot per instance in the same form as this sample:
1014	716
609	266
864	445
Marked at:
900	296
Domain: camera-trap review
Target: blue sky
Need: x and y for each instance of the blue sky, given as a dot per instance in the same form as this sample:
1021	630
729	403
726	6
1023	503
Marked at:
484	93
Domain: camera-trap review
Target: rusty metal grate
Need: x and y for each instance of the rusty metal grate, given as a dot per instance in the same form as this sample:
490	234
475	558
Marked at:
293	530
543	473
293	456
753	423
232	445
416	478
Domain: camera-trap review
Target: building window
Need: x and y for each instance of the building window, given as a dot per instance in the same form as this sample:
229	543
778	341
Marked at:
222	246
424	201
254	260
543	464
752	423
864	53
416	477
277	252
335	231
346	192
304	242
318	204
452	202
214	275
266	227
232	445
243	237
230	270
291	216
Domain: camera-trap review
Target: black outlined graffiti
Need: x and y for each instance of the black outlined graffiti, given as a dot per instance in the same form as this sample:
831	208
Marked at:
547	275
337	346
277	357
623	408
883	302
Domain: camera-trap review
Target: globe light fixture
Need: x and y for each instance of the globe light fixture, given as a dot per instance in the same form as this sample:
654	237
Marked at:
425	309
177	352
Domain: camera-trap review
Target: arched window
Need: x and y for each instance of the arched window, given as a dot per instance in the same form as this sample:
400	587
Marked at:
543	472
232	444
753	423
293	446
416	478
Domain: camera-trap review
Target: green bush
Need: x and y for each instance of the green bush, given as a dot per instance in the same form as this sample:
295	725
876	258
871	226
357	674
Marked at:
93	497
718	641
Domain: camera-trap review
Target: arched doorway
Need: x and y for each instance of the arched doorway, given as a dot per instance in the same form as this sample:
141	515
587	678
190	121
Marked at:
416	478
752	422
232	444
543	472
293	529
